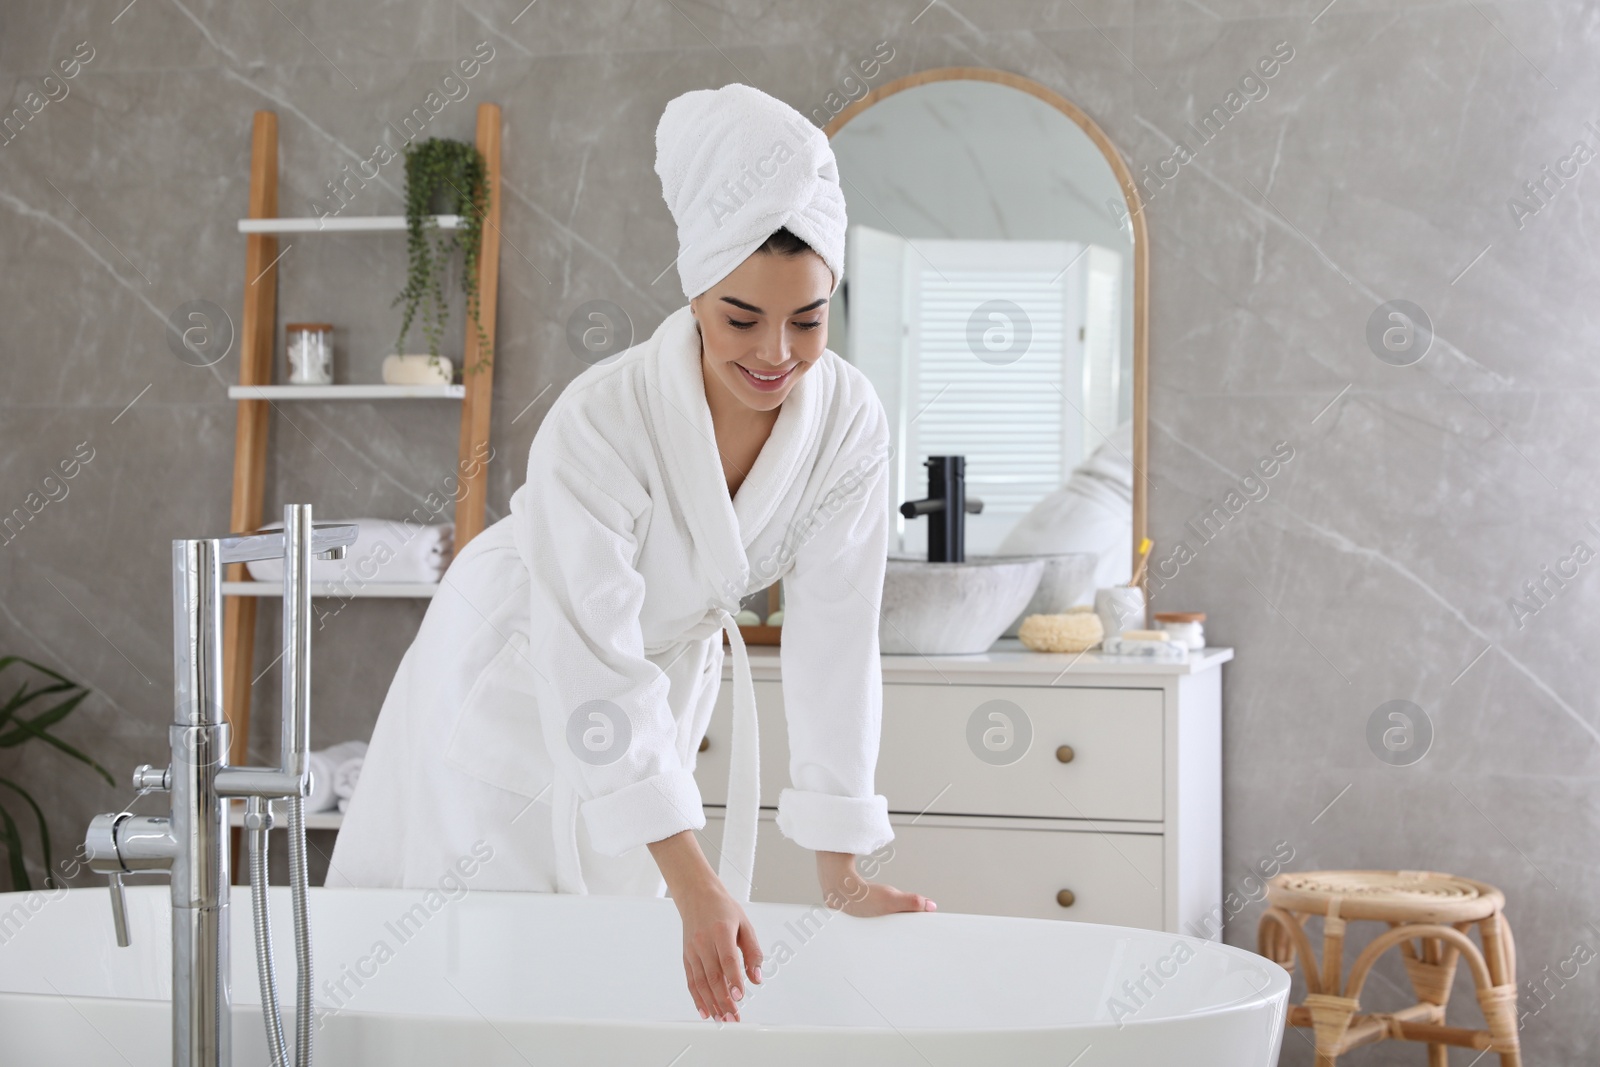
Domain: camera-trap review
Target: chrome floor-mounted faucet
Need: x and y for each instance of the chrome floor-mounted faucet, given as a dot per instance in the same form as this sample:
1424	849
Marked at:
191	843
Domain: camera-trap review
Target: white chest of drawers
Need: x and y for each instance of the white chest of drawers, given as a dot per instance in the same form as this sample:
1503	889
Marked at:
1021	783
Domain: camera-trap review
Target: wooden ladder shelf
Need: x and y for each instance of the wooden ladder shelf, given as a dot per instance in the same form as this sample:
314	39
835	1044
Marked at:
256	337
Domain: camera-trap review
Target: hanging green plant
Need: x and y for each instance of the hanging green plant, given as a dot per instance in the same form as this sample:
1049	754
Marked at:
17	728
448	176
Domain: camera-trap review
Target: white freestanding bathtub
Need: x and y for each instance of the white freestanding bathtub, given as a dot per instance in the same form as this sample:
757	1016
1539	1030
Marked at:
492	979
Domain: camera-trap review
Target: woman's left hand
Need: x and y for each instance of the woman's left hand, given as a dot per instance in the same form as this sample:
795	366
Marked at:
843	889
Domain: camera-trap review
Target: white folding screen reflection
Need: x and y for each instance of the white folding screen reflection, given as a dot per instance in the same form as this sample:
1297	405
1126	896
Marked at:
1006	352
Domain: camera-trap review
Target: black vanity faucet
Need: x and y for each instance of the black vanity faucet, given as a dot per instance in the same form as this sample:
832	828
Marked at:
947	507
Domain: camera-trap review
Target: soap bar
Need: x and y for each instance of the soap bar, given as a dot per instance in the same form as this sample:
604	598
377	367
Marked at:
1145	635
1162	651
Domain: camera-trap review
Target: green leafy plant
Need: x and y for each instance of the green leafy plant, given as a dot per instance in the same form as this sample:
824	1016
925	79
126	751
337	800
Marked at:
17	728
450	175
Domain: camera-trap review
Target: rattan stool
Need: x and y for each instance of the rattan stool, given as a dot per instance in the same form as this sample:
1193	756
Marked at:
1436	910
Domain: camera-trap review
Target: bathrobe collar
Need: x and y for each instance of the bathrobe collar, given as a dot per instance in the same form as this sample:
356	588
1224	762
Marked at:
725	529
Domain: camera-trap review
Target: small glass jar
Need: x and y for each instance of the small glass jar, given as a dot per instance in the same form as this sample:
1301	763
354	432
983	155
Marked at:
1184	627
310	350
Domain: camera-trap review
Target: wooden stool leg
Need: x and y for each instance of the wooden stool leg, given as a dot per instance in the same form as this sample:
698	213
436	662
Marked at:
1443	960
1281	937
1499	1001
1330	1012
1432	972
1330	1019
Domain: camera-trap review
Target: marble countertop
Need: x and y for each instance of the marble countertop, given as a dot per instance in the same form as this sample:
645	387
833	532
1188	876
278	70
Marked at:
1007	657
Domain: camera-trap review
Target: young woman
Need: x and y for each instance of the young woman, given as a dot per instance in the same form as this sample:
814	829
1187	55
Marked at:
574	650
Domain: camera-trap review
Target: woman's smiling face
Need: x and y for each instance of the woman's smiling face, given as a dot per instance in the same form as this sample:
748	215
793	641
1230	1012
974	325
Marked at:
763	325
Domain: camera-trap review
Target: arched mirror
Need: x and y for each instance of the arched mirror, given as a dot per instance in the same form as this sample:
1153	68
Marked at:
995	294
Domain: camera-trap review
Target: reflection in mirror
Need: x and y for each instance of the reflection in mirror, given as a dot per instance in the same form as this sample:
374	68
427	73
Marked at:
989	297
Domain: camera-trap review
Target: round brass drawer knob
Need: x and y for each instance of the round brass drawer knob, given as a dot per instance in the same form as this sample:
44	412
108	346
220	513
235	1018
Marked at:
705	743
1064	754
1066	898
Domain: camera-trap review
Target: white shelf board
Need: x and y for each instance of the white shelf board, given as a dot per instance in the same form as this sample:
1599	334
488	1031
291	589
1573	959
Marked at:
375	391
341	224
315	820
353	588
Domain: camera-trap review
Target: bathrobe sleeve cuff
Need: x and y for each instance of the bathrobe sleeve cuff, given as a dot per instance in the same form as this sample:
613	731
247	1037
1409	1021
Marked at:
824	822
644	811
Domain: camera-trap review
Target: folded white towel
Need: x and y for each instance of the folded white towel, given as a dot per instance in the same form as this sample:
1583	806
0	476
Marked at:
324	766
345	777
384	551
736	165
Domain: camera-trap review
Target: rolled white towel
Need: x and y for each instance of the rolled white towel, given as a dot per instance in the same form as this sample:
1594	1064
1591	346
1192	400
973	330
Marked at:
344	778
322	796
385	550
324	767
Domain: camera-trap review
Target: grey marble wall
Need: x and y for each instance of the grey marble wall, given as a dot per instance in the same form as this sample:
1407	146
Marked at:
1380	565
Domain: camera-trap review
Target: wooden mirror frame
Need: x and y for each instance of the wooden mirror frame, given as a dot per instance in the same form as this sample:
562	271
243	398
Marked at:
1141	244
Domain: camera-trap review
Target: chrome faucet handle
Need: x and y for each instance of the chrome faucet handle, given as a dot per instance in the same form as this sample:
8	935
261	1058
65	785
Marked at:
148	778
101	847
120	843
119	910
249	547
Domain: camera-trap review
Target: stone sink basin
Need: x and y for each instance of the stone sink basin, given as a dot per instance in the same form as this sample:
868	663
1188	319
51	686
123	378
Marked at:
1068	580
953	608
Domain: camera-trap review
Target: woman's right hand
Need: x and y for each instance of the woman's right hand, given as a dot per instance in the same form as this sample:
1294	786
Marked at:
719	941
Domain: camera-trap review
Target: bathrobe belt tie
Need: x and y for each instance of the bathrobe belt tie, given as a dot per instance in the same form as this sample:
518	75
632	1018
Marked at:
736	865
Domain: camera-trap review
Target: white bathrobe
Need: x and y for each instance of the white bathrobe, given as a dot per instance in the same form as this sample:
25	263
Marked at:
613	580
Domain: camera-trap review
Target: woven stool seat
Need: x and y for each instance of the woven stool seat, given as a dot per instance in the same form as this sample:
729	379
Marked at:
1400	896
1429	915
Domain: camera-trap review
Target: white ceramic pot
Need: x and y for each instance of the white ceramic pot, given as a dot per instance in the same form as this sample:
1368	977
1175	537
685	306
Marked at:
1120	607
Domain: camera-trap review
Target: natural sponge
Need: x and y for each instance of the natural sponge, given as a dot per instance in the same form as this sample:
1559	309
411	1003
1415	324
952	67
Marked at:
1078	630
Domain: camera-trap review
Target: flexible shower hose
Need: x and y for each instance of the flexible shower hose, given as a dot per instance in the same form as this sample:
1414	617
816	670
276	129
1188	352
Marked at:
304	1015
270	1011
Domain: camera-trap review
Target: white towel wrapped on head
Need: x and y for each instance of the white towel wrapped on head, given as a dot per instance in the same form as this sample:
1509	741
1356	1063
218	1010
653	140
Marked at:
736	165
385	550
